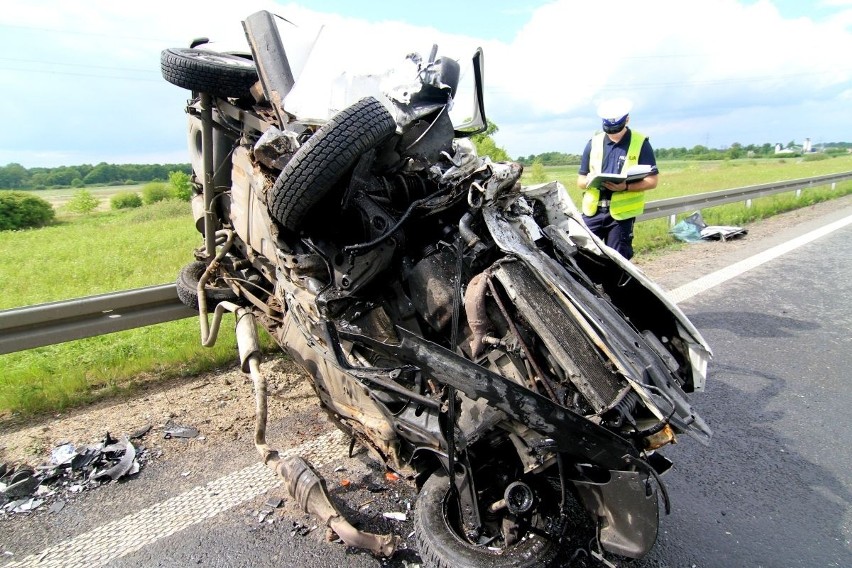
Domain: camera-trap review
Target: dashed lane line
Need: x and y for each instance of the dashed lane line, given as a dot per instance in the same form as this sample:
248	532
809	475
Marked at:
129	534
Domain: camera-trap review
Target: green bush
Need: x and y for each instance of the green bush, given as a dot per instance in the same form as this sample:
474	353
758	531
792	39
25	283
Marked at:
154	192
181	185
83	202
815	157
537	174
125	200
20	210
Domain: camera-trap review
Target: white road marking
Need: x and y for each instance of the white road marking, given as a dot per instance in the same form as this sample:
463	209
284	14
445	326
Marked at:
713	279
131	533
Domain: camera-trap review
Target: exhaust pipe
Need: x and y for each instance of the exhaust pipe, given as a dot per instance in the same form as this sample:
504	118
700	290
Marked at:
308	488
303	483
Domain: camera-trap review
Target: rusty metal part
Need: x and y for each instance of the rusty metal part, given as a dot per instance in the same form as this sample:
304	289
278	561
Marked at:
661	438
302	481
210	331
474	307
260	416
307	487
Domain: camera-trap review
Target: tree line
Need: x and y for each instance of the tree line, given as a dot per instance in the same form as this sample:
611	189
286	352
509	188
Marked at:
734	152
16	176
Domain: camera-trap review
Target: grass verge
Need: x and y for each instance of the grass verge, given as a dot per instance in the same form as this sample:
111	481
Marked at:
92	254
56	377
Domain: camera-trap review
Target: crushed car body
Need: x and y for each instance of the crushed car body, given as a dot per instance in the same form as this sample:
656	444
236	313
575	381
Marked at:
468	330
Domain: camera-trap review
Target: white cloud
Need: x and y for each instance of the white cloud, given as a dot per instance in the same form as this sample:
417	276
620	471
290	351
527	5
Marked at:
683	62
87	82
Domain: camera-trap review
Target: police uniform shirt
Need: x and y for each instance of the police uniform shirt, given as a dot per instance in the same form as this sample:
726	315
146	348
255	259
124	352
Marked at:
614	155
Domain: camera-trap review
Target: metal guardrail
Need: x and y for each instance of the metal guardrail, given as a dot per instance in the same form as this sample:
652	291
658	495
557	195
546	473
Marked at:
57	322
689	203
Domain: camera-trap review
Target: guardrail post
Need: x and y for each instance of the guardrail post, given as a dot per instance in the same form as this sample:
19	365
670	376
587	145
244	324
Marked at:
748	203
672	220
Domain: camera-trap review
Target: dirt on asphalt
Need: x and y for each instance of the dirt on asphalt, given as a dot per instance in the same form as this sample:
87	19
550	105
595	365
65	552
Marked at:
221	406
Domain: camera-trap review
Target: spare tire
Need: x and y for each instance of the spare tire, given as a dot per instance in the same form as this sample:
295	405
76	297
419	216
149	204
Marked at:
321	162
187	287
219	74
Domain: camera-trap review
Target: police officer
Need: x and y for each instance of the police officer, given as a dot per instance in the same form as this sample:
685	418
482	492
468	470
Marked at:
610	212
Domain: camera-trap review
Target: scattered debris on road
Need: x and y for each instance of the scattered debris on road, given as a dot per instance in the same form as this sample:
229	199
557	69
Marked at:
71	470
694	229
177	431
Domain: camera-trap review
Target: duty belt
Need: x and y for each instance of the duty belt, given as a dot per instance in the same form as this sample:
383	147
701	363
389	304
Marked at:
603	204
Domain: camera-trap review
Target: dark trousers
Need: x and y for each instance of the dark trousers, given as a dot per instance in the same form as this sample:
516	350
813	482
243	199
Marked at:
616	234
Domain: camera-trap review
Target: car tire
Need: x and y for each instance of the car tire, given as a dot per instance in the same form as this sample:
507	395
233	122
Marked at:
327	155
219	74
440	546
187	287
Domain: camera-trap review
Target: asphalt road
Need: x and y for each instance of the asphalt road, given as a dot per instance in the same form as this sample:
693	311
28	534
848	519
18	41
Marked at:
773	489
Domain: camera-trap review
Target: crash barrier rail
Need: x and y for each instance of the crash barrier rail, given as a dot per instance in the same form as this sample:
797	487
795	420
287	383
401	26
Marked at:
57	322
674	205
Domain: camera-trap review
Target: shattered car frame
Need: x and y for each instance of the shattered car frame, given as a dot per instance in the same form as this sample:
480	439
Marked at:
467	330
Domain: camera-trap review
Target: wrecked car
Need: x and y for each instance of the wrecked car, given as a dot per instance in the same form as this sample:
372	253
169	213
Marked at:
468	330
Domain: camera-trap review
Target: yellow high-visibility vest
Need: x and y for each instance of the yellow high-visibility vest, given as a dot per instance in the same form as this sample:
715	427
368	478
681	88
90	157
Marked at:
623	204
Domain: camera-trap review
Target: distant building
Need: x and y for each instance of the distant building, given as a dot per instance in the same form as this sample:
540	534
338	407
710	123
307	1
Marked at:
805	148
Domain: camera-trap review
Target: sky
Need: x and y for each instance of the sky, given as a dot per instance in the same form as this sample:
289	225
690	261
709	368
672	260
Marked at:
82	84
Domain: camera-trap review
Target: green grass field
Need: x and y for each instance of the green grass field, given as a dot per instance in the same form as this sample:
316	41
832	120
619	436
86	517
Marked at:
60	197
118	250
98	253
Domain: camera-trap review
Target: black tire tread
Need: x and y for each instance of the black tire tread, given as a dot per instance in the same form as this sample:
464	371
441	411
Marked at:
439	548
187	282
182	67
320	163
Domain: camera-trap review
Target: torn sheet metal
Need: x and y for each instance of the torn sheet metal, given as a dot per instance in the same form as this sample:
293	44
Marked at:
177	431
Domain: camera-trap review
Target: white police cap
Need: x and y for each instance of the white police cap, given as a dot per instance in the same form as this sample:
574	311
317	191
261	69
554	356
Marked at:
615	109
